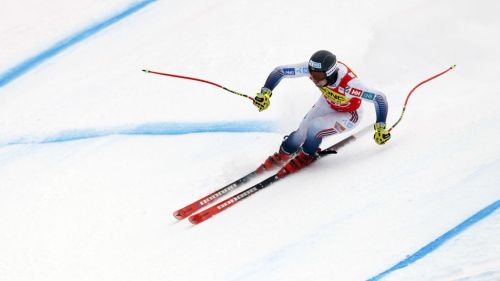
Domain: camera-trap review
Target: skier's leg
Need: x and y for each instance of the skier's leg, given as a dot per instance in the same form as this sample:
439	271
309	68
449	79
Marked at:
331	124
320	127
294	141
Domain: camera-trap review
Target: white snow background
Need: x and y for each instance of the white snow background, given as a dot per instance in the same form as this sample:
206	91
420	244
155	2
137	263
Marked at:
95	155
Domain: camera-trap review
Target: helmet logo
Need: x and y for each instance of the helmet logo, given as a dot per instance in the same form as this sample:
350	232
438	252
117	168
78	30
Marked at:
314	64
332	69
317	65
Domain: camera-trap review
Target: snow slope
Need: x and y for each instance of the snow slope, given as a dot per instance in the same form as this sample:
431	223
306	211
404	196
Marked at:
95	155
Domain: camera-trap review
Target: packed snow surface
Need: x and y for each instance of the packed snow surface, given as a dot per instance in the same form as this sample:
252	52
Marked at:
95	155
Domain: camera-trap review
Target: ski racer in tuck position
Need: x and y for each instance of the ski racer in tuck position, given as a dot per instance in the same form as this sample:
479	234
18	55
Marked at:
338	110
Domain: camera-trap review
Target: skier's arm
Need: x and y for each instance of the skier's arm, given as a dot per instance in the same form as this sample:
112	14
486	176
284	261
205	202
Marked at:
379	100
262	99
288	71
358	89
381	106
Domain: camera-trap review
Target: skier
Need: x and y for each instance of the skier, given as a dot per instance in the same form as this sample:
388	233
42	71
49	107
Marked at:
338	110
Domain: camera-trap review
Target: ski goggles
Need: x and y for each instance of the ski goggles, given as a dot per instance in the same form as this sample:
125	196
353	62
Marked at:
319	78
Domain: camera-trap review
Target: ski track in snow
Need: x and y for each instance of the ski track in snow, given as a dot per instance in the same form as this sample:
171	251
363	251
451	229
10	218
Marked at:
167	128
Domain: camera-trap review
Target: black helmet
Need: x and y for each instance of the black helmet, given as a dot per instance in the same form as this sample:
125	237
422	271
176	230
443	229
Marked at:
324	61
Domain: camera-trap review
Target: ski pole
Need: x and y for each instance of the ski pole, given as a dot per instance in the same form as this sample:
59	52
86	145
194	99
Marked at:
418	85
199	80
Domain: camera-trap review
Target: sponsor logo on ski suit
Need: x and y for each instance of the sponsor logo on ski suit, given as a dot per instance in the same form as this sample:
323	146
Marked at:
336	96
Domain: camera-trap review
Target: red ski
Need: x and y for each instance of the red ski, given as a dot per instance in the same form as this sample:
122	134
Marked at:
212	197
208	213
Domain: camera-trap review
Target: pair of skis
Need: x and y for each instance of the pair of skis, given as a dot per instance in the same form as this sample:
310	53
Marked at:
191	209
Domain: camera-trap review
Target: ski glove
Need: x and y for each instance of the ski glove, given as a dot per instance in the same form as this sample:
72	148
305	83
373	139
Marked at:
261	100
381	134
